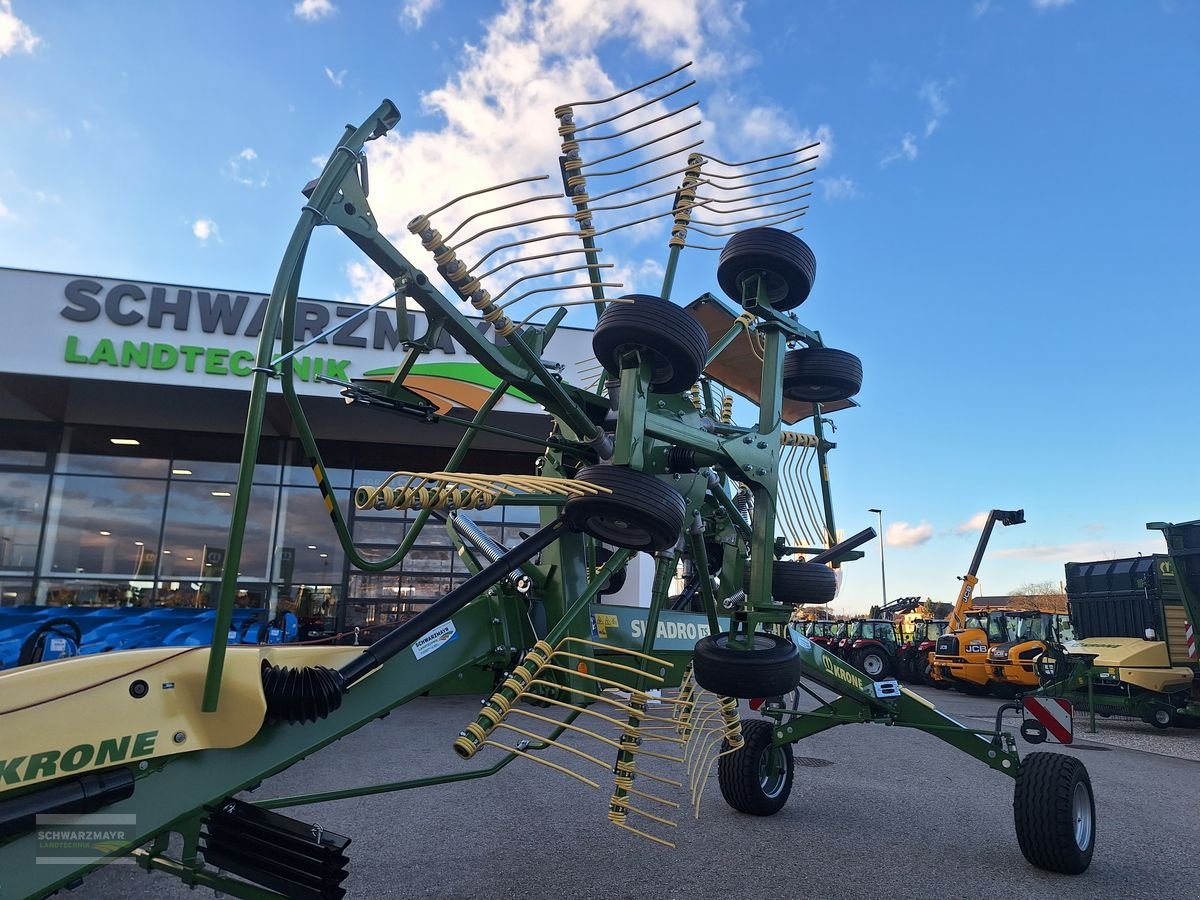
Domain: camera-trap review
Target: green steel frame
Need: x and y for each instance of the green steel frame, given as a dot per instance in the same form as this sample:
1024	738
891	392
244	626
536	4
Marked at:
494	623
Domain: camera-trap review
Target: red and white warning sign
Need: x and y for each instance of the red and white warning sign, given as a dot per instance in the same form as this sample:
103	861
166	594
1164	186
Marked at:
1053	713
1190	635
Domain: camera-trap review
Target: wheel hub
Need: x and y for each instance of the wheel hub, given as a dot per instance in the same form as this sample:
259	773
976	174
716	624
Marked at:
1081	809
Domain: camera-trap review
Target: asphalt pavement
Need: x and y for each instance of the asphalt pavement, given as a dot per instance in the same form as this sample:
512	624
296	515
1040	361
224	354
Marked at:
875	812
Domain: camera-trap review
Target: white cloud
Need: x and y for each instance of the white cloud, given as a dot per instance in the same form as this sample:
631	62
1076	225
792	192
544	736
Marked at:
313	10
413	13
840	188
973	524
907	150
15	35
244	168
4	211
338	79
980	8
1049	4
934	93
902	534
204	229
1081	550
496	124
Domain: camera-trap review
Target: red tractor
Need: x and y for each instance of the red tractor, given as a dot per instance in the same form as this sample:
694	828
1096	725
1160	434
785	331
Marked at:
916	653
872	647
820	631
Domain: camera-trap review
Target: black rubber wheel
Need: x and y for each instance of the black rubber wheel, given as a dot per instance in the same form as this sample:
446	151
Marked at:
1004	690
1160	717
34	647
785	260
675	344
1055	812
771	669
641	513
973	690
757	778
798	583
821	375
873	662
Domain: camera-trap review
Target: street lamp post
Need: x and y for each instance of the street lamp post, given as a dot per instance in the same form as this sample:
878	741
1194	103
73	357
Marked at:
882	565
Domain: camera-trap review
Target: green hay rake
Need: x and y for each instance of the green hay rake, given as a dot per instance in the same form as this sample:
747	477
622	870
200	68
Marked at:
643	456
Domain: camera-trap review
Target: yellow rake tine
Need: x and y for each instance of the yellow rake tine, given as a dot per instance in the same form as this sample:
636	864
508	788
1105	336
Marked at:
545	762
651	816
643	794
598	661
638	654
576	728
537	737
599	679
641	833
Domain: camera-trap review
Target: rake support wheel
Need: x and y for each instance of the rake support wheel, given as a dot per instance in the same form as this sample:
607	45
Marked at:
1055	812
781	258
671	341
821	375
641	512
757	778
770	668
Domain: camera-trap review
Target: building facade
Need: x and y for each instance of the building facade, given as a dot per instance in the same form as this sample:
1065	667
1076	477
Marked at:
122	414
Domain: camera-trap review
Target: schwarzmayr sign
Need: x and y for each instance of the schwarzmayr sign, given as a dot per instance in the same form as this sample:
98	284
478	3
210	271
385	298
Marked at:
165	309
120	330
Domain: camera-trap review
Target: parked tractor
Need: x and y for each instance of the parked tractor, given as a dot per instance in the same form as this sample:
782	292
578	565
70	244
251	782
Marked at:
873	647
820	631
1135	623
960	658
1013	663
914	661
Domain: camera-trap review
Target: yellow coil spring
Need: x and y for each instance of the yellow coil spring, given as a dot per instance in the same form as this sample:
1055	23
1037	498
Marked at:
497	706
727	410
685	201
733	724
695	395
797	439
455	272
445	496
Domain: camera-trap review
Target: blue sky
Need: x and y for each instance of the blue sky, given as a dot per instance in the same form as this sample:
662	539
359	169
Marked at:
1005	218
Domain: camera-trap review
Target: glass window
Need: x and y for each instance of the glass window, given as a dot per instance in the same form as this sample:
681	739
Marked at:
372	586
139	453
26	444
336	456
22	504
16	592
308	548
103	526
389	527
197	530
85	592
217	457
373	616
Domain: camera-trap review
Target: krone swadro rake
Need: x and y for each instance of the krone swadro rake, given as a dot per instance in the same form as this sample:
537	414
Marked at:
644	456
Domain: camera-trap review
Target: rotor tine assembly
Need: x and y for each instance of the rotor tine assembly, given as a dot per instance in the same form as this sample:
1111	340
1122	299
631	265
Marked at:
638	147
462	490
798	503
737	188
488	239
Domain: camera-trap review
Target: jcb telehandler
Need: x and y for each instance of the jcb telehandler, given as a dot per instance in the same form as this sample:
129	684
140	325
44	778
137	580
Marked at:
961	656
